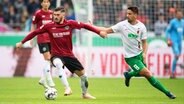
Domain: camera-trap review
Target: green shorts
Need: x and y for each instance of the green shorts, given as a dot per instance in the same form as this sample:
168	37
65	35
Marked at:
136	62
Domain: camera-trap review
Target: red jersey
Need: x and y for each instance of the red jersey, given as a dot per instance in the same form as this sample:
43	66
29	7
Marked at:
41	18
60	36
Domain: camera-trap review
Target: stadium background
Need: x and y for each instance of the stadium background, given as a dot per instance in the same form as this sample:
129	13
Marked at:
100	57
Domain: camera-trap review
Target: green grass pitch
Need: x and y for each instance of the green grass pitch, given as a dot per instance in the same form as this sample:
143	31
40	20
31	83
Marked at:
107	91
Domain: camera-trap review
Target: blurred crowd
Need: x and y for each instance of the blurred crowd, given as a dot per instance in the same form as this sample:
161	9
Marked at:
155	14
15	15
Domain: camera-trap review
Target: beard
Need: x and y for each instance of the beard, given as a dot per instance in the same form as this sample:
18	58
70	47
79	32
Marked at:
57	20
129	20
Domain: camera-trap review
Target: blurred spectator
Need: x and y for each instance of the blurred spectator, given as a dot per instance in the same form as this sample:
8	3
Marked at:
19	7
32	6
159	7
10	16
25	21
143	18
160	26
5	5
1	14
70	14
105	12
171	12
4	27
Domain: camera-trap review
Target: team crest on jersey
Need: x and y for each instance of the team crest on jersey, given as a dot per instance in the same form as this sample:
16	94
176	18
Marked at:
67	27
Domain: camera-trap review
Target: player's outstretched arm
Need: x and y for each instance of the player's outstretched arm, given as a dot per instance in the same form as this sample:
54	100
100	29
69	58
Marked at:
79	25
29	37
104	29
92	28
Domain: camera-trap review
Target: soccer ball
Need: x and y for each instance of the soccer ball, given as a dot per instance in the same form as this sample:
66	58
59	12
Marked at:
50	93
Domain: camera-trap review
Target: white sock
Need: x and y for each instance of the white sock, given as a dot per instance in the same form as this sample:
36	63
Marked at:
62	74
84	83
47	74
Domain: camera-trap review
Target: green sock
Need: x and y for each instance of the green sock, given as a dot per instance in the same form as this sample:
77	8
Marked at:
155	83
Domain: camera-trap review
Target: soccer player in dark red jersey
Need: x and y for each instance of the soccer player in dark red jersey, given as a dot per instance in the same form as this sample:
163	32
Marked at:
60	34
41	17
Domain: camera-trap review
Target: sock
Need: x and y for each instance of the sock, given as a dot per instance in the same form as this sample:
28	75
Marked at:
155	83
43	80
84	83
47	74
62	75
174	65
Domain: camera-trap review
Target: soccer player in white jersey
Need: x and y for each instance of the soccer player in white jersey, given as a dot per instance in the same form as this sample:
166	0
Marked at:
134	35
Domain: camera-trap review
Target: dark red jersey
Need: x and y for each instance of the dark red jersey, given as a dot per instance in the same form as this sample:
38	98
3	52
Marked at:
60	36
41	18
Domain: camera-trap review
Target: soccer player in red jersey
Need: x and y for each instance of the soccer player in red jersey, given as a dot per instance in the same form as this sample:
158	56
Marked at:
41	17
60	34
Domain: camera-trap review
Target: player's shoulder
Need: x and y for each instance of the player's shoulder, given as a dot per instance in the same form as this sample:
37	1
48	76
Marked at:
50	11
38	11
50	24
121	23
142	25
73	22
174	20
182	20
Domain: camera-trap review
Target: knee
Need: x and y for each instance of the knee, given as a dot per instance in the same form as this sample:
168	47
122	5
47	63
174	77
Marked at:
148	74
47	58
80	73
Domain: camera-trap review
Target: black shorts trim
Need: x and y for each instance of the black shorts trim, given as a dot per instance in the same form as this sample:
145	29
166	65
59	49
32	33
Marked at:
71	63
44	47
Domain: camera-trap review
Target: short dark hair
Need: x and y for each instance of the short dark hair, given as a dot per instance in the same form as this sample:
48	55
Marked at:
134	9
61	8
42	1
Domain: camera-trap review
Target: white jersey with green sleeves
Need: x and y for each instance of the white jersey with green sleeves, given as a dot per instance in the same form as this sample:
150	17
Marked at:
131	36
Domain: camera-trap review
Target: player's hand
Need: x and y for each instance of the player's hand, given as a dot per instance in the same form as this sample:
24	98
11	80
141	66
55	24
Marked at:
19	45
103	34
169	42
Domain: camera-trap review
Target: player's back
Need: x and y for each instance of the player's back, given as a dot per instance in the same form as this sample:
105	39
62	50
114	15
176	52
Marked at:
40	18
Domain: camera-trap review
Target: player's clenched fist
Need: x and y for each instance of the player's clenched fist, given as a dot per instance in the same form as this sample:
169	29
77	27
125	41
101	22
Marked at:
103	34
19	45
